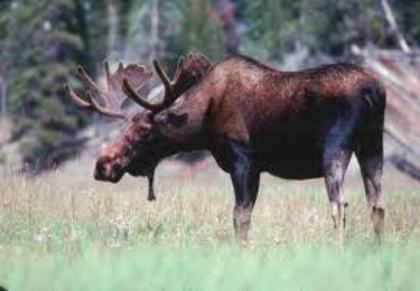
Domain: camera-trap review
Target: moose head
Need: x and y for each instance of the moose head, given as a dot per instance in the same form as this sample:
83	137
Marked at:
130	152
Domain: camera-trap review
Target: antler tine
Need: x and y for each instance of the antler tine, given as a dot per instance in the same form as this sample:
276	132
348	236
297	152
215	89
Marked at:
87	80
179	68
103	110
162	75
132	94
107	72
106	105
80	101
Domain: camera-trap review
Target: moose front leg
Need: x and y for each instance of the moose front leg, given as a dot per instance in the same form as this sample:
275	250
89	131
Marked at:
335	165
151	191
245	178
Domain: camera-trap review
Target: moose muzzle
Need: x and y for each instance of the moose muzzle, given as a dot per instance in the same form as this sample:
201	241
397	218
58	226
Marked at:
108	172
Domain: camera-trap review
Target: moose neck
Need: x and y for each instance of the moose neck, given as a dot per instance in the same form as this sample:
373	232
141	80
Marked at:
183	125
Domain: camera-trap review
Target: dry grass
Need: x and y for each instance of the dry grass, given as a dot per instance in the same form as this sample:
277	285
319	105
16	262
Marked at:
57	228
66	208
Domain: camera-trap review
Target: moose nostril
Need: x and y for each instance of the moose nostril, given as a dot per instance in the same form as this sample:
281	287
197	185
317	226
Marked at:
100	168
116	168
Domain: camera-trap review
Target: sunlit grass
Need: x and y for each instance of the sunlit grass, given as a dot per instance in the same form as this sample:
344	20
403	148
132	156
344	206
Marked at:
61	232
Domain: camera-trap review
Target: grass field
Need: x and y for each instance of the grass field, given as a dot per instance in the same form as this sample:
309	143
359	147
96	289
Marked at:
63	231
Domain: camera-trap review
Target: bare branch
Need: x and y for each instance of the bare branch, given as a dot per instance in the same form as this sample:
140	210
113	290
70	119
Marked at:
395	31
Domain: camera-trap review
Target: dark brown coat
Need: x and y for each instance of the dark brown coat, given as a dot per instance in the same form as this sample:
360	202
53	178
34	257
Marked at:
255	119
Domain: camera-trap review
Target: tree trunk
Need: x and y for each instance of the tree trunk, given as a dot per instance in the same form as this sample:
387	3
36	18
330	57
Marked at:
112	40
154	30
299	40
402	163
394	30
83	10
225	10
3	97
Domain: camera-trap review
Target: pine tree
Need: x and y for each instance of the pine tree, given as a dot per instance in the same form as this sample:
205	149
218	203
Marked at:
39	58
190	26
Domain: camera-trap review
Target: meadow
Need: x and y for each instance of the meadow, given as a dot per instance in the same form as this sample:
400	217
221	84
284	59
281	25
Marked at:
64	231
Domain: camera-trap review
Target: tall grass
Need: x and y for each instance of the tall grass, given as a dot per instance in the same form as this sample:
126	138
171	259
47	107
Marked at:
64	231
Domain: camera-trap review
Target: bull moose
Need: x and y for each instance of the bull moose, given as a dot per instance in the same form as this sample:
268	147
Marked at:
253	119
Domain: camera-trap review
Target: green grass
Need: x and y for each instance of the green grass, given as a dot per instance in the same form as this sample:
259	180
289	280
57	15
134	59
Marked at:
300	267
74	234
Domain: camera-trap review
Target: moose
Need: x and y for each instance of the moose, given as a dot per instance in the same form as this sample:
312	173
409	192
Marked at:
252	119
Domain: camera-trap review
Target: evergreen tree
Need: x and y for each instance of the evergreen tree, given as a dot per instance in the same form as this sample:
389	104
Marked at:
41	47
190	26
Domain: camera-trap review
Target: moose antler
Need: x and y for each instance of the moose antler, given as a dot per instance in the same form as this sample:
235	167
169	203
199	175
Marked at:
171	92
190	69
111	99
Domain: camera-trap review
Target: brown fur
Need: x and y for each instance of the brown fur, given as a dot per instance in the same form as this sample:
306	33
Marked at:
245	97
255	119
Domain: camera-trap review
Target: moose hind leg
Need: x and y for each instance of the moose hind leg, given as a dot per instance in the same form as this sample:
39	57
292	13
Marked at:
371	162
335	165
